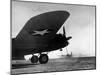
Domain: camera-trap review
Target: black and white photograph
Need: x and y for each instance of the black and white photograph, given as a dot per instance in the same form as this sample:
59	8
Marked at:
52	37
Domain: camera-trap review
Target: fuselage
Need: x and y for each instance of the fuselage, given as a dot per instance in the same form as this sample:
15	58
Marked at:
57	42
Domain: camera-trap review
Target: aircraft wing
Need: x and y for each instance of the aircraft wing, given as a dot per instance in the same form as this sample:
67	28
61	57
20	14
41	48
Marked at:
38	30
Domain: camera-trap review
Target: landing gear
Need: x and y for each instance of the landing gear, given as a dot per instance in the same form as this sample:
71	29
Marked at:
34	59
43	58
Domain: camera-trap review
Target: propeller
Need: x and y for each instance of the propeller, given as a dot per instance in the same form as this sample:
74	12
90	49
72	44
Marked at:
67	38
64	33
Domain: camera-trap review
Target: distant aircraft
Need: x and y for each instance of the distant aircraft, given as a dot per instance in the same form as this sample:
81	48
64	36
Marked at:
39	35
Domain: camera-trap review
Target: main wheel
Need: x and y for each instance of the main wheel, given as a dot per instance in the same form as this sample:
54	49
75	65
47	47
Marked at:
43	58
34	59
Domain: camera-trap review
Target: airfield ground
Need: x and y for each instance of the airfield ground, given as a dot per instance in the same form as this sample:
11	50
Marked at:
53	65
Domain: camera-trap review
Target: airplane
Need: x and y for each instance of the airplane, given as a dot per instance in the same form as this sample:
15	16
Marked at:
39	36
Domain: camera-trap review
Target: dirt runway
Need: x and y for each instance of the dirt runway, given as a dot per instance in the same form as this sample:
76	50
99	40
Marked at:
53	65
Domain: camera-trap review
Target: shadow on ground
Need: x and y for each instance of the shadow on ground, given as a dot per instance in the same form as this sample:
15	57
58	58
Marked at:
18	66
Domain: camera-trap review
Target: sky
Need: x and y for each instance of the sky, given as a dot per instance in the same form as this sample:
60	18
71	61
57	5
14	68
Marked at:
80	25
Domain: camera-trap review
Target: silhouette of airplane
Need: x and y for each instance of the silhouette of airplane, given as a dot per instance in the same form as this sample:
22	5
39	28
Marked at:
39	35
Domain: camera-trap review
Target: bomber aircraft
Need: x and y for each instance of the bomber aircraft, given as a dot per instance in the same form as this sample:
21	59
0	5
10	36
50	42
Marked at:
39	35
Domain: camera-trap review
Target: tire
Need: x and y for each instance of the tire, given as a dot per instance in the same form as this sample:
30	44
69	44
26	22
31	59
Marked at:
43	58
34	59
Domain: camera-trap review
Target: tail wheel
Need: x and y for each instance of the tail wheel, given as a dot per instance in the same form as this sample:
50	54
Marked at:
34	59
43	58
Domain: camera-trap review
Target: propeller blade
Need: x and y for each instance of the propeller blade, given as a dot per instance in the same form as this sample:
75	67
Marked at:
68	38
64	32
